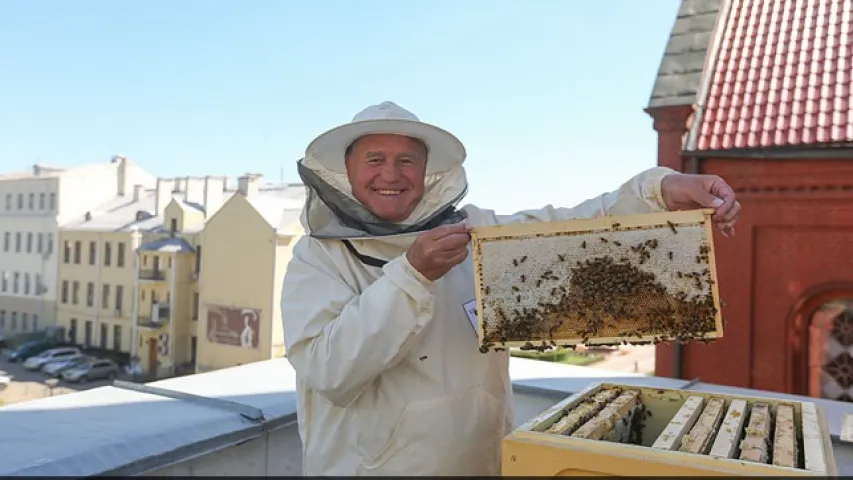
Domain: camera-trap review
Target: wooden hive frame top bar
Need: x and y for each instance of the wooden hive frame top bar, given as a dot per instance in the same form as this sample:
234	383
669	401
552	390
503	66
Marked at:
537	282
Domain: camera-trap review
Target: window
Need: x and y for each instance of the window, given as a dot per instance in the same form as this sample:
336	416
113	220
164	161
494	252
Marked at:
120	254
90	294
75	292
38	288
66	252
7	240
35	322
198	258
31	203
108	252
105	334
8	201
117	338
195	306
52	203
14	320
25	322
105	296
41	201
2	318
26	284
16	278
72	330
39	242
88	333
4	281
173	226
65	291
92	251
119	295
20	201
29	242
17	242
77	252
50	243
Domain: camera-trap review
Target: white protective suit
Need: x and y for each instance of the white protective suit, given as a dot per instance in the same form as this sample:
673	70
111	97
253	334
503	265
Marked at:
390	377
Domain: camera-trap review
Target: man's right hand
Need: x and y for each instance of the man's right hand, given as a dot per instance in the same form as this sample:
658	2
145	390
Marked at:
438	250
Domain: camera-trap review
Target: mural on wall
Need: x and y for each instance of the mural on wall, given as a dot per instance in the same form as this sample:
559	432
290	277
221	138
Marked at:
233	326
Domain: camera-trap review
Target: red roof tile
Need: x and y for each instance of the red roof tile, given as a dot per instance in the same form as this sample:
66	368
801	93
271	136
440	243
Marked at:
782	76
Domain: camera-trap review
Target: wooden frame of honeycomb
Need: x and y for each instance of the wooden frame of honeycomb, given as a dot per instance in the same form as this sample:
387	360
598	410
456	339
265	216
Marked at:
610	280
623	430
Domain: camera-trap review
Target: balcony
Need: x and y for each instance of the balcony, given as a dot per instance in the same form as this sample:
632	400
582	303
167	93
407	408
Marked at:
226	422
152	275
160	315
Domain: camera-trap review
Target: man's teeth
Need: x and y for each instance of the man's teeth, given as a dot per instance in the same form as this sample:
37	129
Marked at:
389	192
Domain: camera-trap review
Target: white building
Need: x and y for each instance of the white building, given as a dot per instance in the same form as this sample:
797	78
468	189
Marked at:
33	205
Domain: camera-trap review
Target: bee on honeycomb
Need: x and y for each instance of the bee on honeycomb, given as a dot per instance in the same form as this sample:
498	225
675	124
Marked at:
616	284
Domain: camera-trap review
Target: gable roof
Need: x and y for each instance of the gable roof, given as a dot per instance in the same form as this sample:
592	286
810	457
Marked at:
680	72
782	78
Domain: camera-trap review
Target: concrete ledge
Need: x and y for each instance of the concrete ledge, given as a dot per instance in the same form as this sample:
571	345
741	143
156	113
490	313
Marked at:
121	431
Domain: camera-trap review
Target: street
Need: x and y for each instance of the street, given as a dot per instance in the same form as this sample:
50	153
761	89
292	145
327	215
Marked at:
30	385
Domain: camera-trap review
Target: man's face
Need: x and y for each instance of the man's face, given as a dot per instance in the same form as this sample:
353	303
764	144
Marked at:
387	174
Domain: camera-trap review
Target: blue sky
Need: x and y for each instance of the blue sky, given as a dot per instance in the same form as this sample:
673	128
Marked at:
547	95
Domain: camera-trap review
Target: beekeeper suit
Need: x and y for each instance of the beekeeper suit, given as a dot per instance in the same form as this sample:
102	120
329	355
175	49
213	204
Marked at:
390	377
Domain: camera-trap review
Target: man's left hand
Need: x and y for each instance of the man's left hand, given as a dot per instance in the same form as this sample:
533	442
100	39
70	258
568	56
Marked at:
682	191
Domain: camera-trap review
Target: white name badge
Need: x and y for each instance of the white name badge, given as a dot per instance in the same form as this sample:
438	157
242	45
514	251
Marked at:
471	311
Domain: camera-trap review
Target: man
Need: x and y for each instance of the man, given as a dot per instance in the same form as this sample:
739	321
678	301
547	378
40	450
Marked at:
390	378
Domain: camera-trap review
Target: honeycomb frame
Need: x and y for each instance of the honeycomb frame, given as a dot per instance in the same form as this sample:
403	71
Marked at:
612	232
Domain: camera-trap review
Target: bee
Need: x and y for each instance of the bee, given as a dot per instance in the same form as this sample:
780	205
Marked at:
423	358
618	244
514	288
518	298
583	244
539	282
523	259
561	257
514	262
488	290
616	225
669	254
672	227
523	278
603	240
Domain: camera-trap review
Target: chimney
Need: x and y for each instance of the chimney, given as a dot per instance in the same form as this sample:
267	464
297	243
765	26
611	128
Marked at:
194	189
121	174
137	191
163	195
248	185
214	194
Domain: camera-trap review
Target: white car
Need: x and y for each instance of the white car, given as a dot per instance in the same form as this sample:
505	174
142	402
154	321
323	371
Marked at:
37	361
55	368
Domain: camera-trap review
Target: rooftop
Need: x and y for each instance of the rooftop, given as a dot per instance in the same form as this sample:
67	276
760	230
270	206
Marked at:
781	78
131	429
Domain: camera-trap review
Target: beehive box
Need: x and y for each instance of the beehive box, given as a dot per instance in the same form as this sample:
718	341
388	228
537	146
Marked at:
621	430
610	280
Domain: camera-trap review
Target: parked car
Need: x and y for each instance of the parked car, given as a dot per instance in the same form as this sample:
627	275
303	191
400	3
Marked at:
56	367
29	349
96	369
37	361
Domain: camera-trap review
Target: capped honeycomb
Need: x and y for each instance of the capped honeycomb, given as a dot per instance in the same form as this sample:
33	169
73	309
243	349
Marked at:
629	279
705	432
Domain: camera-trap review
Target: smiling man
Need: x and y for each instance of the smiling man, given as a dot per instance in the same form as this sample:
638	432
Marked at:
390	377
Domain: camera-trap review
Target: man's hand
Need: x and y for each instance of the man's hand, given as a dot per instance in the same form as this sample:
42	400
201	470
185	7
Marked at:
438	250
686	192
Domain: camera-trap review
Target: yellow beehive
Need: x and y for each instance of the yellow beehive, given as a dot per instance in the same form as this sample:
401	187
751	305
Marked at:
604	281
622	430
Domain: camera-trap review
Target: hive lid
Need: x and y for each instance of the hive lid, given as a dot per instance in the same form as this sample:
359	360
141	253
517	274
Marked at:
604	281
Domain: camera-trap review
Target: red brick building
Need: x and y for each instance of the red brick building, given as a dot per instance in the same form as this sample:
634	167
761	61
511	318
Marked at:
758	92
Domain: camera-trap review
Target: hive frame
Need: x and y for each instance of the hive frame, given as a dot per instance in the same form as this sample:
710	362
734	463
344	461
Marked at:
480	235
818	454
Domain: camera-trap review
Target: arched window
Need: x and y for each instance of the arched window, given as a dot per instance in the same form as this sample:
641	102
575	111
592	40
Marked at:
831	351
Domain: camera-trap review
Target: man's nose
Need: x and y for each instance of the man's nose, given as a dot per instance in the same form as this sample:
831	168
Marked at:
390	172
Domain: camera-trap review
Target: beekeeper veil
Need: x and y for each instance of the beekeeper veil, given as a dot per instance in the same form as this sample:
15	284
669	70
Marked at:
331	210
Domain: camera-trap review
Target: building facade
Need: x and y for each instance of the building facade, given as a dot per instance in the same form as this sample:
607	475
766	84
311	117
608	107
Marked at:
761	97
34	205
247	247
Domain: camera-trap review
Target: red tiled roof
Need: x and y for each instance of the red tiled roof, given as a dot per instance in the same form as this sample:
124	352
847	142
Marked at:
782	76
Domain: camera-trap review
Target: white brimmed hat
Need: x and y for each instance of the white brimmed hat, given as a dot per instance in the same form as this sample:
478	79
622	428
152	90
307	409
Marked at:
445	150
